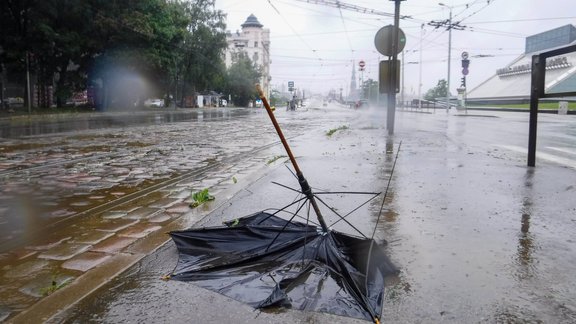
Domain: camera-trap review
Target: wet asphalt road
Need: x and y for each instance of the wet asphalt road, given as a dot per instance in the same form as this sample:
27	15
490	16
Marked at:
479	237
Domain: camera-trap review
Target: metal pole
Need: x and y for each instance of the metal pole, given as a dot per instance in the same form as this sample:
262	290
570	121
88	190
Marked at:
393	65
420	72
378	92
449	58
402	93
362	83
537	74
28	83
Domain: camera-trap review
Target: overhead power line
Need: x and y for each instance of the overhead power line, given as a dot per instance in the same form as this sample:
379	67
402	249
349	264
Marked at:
347	6
448	24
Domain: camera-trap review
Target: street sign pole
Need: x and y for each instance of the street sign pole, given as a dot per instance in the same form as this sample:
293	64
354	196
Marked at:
393	66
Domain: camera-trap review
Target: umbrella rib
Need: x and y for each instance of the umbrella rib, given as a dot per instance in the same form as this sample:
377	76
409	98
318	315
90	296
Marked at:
380	214
285	186
283	208
341	217
284	227
346	193
355	209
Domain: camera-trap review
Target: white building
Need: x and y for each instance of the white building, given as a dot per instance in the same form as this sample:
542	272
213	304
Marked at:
511	84
254	41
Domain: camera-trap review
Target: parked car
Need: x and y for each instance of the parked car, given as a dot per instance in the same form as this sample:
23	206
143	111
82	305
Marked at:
154	103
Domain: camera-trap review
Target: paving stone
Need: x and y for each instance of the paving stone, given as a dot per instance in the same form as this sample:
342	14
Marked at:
115	179
113	244
127	208
209	182
27	269
87	179
179	208
49	244
64	251
22	254
143	213
114	214
62	213
12	298
86	261
81	203
115	225
91	237
164	202
67	185
181	194
97	197
160	218
139	230
4	310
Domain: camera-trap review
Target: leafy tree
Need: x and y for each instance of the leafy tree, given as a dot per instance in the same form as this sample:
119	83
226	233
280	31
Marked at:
15	24
201	64
114	46
277	98
241	80
439	91
139	40
370	90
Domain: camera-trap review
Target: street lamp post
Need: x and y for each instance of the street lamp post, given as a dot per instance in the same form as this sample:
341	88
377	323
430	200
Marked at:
420	70
449	56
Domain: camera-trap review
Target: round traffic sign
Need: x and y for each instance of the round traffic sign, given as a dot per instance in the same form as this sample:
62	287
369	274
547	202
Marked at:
464	55
362	64
383	40
465	71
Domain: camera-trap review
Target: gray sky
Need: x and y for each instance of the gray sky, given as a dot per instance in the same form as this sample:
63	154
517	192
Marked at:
315	45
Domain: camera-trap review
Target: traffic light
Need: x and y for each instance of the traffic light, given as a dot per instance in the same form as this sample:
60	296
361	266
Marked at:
463	82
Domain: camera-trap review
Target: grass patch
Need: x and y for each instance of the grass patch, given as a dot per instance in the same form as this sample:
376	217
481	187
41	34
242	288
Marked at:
201	197
542	105
54	286
334	130
272	160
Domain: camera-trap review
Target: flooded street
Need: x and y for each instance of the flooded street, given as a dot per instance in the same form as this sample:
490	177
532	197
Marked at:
478	236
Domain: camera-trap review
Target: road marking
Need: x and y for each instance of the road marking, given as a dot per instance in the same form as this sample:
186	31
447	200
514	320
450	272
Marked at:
543	156
564	150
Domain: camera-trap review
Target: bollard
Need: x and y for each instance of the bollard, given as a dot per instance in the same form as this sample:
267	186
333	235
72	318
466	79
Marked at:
563	108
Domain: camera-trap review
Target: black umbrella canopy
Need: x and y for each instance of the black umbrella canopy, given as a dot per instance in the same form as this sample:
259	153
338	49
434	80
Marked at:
267	261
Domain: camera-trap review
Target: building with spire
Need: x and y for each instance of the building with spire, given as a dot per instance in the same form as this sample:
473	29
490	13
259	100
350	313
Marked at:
254	40
353	93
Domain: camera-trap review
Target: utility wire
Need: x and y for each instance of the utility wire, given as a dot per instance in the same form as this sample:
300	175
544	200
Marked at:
518	20
346	32
297	34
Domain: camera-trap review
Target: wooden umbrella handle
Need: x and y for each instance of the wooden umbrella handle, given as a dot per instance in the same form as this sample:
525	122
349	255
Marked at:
278	130
306	189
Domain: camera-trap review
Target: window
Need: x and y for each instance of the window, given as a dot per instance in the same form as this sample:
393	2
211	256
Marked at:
256	44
